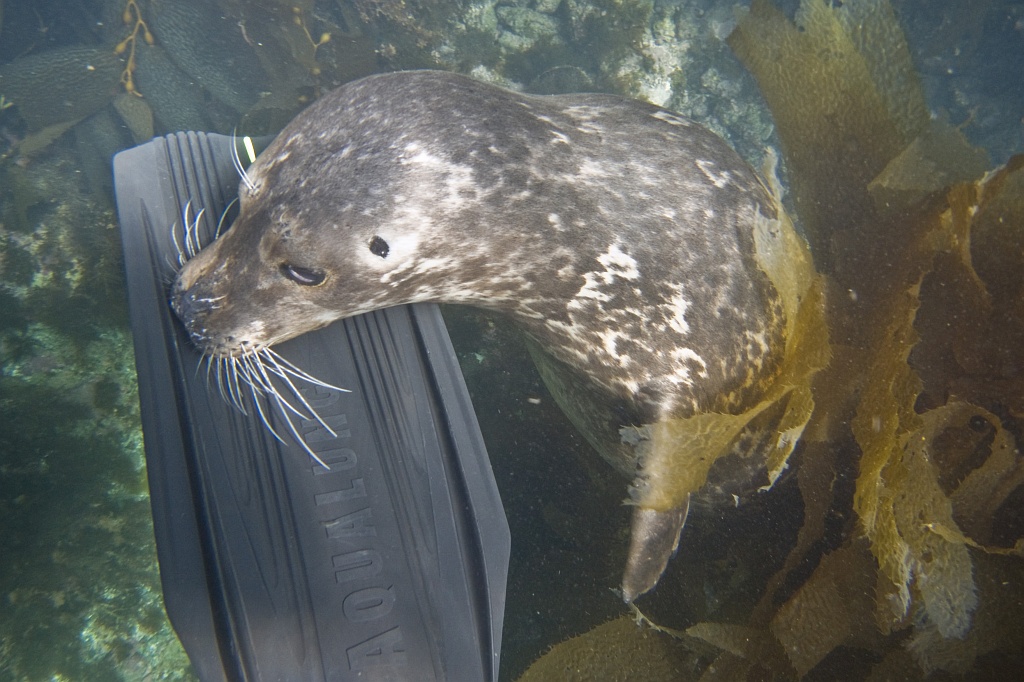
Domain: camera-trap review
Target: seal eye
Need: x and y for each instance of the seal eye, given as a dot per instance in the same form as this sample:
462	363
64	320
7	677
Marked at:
307	277
379	247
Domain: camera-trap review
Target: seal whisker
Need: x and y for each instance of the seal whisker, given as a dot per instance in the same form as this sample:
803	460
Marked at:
224	372
179	247
227	384
192	245
237	162
299	373
199	368
172	267
298	437
267	384
246	368
218	373
224	383
265	419
302	441
235	376
223	218
254	374
209	368
259	372
184	252
278	370
248	374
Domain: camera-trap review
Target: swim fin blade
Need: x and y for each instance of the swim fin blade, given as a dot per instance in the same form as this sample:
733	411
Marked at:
390	564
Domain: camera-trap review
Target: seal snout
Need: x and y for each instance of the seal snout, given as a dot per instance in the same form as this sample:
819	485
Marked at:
188	305
193	305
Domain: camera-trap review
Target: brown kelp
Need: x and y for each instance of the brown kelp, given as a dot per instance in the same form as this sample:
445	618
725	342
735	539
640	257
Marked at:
922	251
891	198
191	65
61	85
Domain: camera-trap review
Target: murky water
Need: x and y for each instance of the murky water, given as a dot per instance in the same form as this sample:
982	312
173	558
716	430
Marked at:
799	580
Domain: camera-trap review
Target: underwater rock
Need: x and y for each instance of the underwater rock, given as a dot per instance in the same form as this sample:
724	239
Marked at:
525	27
546	6
61	85
561	80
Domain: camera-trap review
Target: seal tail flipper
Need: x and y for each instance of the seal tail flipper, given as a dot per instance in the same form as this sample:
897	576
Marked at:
653	540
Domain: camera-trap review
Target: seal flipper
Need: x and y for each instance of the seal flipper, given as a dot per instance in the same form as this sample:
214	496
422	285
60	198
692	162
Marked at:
653	540
654	536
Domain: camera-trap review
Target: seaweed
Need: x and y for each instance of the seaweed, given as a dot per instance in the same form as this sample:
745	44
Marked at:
921	255
132	16
616	650
61	85
891	201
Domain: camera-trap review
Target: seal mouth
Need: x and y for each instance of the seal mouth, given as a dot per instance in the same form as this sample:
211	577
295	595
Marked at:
243	368
194	307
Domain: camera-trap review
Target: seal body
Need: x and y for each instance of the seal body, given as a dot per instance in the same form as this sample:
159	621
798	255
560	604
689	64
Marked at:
617	234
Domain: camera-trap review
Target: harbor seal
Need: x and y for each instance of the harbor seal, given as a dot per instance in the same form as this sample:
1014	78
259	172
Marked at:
618	235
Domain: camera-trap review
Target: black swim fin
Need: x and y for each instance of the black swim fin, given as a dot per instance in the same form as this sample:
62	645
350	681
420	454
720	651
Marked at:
391	565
